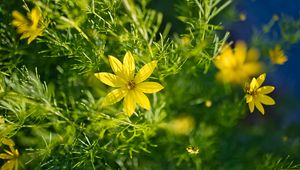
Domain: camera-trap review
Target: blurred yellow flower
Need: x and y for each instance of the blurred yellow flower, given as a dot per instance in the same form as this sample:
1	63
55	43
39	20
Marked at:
192	150
11	156
277	56
182	125
185	40
28	28
129	86
243	16
237	65
256	95
208	103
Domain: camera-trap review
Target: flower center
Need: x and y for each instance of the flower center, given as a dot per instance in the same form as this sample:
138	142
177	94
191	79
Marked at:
131	85
252	92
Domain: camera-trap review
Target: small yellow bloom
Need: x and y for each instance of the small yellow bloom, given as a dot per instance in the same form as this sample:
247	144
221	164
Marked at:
192	150
275	17
129	86
243	16
182	125
185	40
28	28
11	156
238	64
256	95
208	103
277	56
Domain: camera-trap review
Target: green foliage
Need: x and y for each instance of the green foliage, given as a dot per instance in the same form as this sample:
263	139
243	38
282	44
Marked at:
50	100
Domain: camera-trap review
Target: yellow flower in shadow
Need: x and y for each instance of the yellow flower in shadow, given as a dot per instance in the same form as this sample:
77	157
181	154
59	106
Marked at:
238	64
29	28
194	150
277	56
129	86
256	95
11	156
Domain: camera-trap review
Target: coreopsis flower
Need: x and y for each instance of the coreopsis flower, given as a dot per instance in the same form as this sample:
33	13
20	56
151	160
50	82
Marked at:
256	94
131	87
28	27
194	150
237	65
182	125
277	56
11	156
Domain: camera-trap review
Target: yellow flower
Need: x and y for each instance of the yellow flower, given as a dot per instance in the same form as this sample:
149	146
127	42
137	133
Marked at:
192	150
237	65
256	95
182	125
277	56
243	17
11	156
129	86
28	28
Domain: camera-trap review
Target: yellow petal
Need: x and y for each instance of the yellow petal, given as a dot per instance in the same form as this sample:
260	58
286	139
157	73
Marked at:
116	66
145	72
129	65
149	87
249	98
253	55
265	89
18	19
35	16
31	38
225	59
252	68
110	79
264	99
251	106
142	100
5	156
253	84
261	79
240	52
8	142
114	96
129	103
259	106
10	165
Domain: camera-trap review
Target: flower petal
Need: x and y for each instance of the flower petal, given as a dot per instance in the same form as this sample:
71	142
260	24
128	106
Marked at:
265	89
142	100
240	52
8	142
145	72
19	19
149	87
261	79
116	65
110	79
129	103
35	16
249	98
5	156
253	55
129	65
264	99
253	84
251	106
259	106
252	68
114	96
